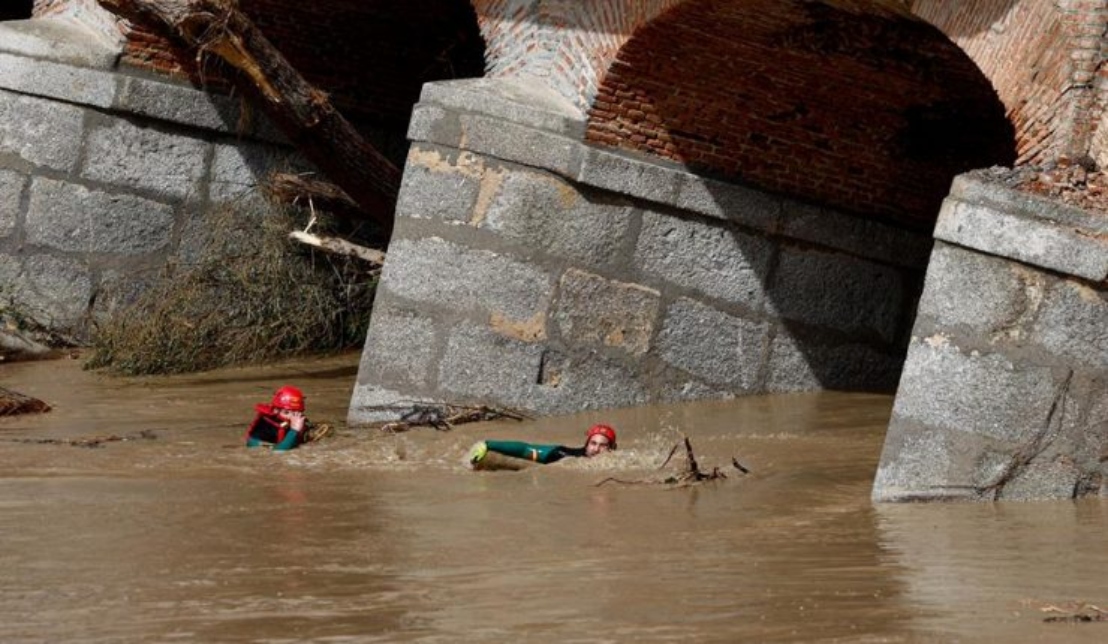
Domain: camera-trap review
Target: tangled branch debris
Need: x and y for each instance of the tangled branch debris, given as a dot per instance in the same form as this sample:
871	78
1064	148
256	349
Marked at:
90	442
13	402
691	475
1080	612
444	417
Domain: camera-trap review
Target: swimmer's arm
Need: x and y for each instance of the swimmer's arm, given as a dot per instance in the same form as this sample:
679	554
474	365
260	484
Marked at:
290	441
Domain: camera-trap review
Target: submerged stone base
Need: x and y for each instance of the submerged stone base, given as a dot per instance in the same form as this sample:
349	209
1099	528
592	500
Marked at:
1005	390
531	271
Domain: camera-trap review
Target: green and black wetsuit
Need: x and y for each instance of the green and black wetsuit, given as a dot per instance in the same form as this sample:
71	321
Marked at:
533	452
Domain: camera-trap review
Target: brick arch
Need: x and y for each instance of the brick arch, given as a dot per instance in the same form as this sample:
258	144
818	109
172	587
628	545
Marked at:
1043	58
853	104
567	43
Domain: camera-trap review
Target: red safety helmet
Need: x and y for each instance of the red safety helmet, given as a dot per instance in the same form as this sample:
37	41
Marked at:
289	398
603	430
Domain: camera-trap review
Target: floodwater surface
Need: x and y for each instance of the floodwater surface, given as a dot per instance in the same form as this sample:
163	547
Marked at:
176	533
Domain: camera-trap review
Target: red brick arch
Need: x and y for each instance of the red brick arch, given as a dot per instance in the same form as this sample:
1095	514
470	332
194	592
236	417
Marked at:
858	105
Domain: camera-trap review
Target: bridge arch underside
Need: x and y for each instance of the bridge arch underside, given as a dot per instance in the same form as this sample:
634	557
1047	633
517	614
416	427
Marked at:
856	105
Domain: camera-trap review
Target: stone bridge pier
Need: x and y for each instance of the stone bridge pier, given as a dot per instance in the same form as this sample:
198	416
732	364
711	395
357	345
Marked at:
530	270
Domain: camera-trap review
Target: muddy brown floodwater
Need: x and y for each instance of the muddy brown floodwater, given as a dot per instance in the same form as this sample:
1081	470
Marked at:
184	536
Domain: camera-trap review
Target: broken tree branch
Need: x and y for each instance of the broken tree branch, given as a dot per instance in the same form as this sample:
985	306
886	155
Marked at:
340	247
303	113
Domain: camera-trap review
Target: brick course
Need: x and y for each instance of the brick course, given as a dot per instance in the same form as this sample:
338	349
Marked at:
871	113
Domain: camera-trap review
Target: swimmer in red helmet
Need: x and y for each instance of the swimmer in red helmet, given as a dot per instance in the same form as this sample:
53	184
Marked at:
281	423
598	439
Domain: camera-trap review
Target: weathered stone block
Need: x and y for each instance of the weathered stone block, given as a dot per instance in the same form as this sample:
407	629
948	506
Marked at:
854	235
11	190
624	175
837	291
144	158
515	100
434	188
372	404
54	291
178	104
593	312
981	293
571	383
706	257
1056	479
734	203
481	365
42	132
712	345
1023	237
519	143
71	217
399	349
240	170
986	395
543	212
923	463
56	80
1073	324
432	124
435	271
795	365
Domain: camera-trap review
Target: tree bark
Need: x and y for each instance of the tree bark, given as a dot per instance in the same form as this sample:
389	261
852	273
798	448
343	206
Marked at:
304	113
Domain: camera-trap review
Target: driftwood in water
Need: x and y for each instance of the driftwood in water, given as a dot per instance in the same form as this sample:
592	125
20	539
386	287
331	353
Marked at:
303	113
12	403
1080	612
444	417
89	441
691	475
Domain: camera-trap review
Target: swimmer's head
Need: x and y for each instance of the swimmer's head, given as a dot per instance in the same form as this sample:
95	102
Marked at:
599	439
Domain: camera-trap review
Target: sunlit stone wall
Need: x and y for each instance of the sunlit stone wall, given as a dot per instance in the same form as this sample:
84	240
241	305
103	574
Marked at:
106	177
1003	392
530	270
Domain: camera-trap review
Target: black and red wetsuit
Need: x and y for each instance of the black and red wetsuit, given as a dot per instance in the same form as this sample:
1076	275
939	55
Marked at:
268	427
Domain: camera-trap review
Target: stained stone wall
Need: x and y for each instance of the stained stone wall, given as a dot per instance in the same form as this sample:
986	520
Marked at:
105	177
530	270
1002	395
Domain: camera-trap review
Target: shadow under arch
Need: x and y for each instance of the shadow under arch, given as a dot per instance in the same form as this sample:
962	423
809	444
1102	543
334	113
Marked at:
853	107
16	9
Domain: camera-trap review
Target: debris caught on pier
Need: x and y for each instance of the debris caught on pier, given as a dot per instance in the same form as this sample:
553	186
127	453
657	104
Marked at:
692	474
443	417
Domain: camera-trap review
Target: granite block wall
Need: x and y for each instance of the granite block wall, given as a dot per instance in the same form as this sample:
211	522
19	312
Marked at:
530	270
1002	395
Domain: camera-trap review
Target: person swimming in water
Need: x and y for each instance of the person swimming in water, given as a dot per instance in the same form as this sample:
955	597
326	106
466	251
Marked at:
598	440
281	423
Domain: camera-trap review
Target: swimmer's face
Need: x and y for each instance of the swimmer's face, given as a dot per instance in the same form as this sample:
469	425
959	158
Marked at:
597	444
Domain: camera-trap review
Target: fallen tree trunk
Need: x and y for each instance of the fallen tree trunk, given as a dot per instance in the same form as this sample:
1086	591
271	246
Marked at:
303	113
